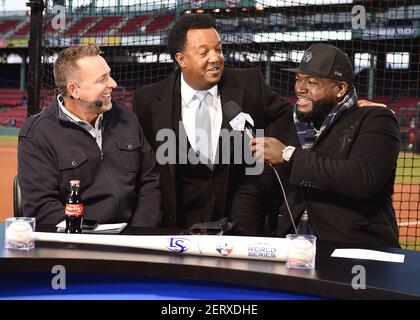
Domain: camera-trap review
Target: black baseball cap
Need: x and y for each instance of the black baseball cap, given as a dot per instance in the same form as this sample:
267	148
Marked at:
326	61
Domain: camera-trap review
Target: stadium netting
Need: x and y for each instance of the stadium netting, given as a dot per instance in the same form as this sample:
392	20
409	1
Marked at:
380	37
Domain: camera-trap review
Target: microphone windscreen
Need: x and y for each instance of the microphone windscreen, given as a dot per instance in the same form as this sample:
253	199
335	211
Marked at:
231	109
98	103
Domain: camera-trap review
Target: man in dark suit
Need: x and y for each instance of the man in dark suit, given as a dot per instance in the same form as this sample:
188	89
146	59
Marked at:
201	192
337	161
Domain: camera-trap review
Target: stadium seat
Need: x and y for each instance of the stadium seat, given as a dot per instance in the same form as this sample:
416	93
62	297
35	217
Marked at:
23	31
104	25
48	27
160	22
133	25
80	26
8	25
17	199
405	102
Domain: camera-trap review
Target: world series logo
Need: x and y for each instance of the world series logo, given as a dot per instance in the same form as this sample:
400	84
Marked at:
224	248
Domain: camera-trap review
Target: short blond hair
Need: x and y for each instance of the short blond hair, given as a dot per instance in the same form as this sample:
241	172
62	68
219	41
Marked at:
65	66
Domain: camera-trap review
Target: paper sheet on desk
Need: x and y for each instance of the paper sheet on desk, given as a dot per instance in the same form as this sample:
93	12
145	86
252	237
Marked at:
368	255
112	228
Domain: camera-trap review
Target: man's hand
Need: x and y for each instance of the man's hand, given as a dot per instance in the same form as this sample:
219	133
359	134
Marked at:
268	150
367	103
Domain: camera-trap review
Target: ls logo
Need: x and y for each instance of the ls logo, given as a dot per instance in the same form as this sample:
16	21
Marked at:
179	244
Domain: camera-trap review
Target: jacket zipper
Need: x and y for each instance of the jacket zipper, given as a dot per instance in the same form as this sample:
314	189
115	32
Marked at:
114	185
101	155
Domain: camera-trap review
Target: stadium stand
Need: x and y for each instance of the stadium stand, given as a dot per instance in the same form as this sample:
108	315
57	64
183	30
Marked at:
160	22
103	26
11	97
8	25
13	117
80	26
23	31
134	24
405	102
49	28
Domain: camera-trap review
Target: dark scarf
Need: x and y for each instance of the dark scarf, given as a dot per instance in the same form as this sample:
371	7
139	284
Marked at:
306	130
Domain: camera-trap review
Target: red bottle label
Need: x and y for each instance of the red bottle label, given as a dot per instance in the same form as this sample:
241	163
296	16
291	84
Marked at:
74	210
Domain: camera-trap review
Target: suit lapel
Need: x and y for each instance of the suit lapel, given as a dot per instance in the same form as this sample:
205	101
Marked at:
168	105
176	105
321	136
229	91
166	110
332	126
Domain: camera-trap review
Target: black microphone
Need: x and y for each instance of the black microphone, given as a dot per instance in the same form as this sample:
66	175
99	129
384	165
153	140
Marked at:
96	103
233	110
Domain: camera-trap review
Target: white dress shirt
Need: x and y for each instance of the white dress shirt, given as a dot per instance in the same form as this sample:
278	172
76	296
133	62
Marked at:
189	106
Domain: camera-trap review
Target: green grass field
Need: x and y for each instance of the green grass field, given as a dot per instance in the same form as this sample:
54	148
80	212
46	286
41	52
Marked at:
408	168
410	245
8	139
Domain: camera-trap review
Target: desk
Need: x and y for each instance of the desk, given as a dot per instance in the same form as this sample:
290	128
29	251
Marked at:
102	272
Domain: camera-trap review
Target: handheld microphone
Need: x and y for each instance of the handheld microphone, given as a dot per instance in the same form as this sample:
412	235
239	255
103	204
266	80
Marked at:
249	130
242	121
239	120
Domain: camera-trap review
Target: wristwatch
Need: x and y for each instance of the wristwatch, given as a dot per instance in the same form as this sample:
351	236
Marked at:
288	152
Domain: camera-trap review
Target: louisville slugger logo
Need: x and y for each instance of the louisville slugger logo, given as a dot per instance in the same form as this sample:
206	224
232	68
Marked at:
178	244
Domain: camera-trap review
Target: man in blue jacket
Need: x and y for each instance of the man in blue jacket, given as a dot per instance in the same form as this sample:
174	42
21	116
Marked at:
84	135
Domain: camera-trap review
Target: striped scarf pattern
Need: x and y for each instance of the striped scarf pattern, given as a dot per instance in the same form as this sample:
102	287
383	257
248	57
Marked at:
306	130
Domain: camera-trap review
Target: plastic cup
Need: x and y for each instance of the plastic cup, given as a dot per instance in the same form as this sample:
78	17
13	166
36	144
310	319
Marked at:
301	251
19	233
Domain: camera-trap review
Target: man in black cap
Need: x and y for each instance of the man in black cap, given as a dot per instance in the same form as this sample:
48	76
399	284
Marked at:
337	161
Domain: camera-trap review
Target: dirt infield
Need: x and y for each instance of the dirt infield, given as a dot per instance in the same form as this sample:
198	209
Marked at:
406	196
8	169
407	206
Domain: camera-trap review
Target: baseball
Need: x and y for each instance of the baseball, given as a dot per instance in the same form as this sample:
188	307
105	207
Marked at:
301	249
19	233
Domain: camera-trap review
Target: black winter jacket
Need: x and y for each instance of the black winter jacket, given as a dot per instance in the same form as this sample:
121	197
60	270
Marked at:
121	184
345	181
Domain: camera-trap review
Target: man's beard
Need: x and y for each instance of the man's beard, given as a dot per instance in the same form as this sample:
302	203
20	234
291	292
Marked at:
320	109
105	108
